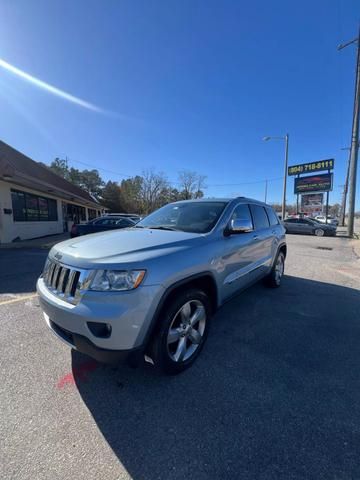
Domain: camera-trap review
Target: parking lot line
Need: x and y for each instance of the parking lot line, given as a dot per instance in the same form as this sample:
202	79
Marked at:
15	300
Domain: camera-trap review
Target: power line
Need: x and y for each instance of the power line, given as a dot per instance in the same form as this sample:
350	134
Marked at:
246	183
179	183
103	169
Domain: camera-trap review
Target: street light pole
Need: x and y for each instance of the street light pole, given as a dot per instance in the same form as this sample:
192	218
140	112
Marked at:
266	189
354	140
285	176
286	138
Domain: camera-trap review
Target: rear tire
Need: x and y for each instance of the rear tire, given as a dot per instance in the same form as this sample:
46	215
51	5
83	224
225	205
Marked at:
273	280
182	332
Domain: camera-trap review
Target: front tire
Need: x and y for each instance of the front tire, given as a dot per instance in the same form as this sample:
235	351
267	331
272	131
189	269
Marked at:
319	232
182	332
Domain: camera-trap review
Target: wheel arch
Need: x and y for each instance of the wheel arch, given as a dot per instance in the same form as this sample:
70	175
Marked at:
283	249
204	281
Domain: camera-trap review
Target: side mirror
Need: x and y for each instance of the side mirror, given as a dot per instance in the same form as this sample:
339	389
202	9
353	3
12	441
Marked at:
239	225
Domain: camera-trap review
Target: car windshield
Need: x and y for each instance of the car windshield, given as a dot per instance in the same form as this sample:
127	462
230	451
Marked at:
195	217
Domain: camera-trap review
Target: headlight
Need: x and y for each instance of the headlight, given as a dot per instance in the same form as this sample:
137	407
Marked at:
116	280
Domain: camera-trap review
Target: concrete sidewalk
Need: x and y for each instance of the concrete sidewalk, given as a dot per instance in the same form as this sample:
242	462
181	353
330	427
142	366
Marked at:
43	242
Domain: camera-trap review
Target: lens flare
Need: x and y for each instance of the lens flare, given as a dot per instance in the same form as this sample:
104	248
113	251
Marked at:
50	88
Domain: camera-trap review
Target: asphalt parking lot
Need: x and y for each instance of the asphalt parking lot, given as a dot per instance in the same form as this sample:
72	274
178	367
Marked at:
274	395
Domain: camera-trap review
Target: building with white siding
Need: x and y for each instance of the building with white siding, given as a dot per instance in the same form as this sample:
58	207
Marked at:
35	202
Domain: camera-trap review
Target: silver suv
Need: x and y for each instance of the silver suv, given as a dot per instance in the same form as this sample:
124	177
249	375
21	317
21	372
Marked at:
150	290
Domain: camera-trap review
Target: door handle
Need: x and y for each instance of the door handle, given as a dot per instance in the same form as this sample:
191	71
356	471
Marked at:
256	237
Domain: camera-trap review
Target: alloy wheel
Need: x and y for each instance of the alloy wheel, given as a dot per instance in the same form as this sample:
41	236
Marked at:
186	331
279	269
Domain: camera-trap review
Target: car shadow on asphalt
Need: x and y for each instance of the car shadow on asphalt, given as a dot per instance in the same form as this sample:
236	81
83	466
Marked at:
274	394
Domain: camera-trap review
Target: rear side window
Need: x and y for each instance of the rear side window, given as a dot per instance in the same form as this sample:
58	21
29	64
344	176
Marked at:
242	212
260	219
273	218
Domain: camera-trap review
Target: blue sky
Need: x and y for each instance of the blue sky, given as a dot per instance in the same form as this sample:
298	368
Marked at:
184	84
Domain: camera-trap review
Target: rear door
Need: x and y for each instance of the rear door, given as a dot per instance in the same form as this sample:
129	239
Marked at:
263	241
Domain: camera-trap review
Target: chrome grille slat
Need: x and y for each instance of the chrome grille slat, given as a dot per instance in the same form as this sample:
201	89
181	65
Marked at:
61	280
65	282
55	276
51	272
70	282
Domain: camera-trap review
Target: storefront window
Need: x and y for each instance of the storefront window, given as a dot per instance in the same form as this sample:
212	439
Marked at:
28	207
92	213
76	213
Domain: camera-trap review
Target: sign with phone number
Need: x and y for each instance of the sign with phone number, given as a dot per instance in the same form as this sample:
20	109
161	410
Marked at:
312	167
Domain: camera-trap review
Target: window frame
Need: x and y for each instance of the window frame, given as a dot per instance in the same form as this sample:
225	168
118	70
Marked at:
267	208
253	219
51	207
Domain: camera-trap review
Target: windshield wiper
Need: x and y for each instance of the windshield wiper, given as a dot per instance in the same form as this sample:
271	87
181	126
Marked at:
162	227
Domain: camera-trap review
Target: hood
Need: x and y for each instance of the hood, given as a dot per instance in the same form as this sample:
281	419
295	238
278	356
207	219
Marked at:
122	246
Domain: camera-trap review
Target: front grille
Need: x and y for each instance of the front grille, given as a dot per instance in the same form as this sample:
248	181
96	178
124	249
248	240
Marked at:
65	282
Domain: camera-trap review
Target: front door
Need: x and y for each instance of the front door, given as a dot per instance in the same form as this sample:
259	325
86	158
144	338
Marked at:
239	255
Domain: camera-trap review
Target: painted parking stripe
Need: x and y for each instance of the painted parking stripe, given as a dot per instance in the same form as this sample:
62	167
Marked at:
19	299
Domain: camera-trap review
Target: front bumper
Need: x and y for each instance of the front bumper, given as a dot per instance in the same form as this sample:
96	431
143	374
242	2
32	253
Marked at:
128	315
133	357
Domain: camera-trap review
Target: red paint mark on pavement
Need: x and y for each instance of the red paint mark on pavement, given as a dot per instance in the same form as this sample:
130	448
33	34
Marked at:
80	373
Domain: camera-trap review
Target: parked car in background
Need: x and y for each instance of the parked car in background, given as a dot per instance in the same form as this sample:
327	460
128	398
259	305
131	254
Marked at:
330	220
152	289
101	224
308	226
133	216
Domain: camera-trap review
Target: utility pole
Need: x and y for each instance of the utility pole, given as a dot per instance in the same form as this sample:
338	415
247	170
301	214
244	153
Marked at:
354	139
344	195
266	188
286	138
283	211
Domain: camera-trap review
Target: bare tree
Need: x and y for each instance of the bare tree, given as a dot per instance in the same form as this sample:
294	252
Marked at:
192	184
152	189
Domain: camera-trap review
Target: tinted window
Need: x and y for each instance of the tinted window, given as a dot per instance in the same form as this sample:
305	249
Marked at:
242	212
91	213
108	221
291	220
260	218
18	204
32	208
75	213
124	222
273	218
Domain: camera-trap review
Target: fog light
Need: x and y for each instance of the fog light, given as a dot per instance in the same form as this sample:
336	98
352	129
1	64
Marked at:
101	330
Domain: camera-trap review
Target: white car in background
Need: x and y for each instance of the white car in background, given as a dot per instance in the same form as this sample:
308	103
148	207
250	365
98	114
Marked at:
330	220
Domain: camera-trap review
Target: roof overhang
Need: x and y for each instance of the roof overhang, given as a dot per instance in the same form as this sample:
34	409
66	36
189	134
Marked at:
10	175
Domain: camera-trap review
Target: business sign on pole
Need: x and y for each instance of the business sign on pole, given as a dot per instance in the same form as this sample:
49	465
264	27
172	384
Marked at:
314	183
312	167
312	204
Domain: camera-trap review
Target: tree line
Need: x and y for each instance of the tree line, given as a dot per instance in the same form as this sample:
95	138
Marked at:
139	194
